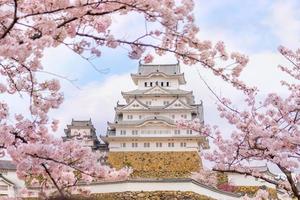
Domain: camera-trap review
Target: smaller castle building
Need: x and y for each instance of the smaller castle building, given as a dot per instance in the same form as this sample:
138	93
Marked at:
83	132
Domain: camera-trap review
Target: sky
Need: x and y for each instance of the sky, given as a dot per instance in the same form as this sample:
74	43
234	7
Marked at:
253	27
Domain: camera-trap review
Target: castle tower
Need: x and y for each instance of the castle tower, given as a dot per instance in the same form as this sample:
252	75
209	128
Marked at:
144	134
147	122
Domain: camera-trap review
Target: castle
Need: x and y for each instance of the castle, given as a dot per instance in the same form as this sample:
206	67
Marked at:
147	122
144	136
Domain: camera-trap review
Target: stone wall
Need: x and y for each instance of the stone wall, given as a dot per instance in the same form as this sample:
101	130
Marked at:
159	195
157	164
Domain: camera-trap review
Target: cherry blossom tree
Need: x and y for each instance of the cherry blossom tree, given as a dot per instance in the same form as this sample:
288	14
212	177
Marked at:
28	27
266	131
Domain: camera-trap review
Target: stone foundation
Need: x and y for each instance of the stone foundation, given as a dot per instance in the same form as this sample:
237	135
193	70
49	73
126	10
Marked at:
157	164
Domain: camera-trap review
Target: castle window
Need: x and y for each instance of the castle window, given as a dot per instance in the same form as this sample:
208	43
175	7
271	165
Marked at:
148	103
129	116
183	116
173	116
123	132
134	132
158	144
123	145
156	83
177	132
146	144
189	132
194	115
168	84
166	102
150	84
182	144
161	84
134	145
140	116
171	144
146	84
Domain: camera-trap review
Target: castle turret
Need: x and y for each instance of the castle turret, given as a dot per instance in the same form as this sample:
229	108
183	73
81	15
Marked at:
82	131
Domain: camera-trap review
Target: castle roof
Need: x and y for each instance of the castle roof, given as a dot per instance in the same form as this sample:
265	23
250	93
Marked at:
144	121
168	91
81	124
7	165
167	71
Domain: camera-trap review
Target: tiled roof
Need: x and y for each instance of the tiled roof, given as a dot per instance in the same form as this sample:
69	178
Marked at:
168	69
7	165
137	91
82	122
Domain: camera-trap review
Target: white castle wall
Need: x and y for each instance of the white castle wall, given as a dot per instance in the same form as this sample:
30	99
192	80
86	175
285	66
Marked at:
243	180
119	146
12	191
173	82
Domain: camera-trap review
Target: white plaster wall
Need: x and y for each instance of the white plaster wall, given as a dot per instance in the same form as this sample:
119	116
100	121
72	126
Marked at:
6	189
158	186
116	146
177	115
242	180
153	132
19	184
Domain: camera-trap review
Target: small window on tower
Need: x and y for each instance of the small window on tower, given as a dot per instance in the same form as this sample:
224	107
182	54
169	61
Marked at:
150	84
162	84
146	144
168	84
123	132
158	144
171	144
146	84
134	145
182	144
134	132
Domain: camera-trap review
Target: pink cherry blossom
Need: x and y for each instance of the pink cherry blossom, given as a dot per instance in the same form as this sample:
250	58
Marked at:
265	131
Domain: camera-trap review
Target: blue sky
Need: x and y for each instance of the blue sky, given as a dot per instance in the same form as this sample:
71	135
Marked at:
255	27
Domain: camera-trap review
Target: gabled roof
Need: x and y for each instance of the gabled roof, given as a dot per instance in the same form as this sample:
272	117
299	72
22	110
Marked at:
181	103
80	124
180	77
156	90
144	121
7	165
145	69
163	91
140	104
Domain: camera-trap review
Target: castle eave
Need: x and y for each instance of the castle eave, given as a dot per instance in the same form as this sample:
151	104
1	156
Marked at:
180	77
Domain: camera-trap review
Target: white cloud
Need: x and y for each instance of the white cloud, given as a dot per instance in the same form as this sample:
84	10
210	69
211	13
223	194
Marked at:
284	21
95	100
